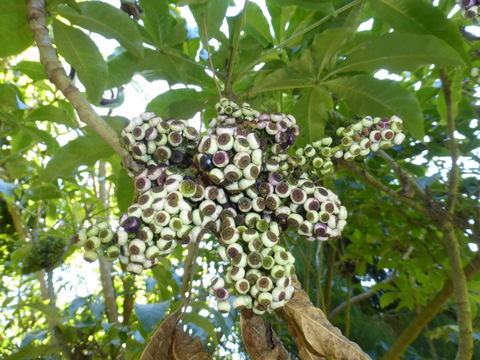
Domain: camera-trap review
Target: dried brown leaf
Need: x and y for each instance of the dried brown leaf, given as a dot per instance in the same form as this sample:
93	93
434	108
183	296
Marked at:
259	338
158	348
187	348
315	336
169	342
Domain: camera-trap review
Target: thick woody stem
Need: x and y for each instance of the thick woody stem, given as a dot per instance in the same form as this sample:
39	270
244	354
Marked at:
56	73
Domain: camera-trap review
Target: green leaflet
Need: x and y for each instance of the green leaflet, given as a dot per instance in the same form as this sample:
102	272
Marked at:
366	95
15	34
84	150
82	53
311	113
399	51
421	17
257	25
108	21
209	15
178	103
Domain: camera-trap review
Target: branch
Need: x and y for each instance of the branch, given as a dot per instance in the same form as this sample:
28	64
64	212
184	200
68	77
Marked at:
315	336
106	267
207	47
358	298
296	35
233	52
464	313
454	153
377	184
413	330
56	73
259	339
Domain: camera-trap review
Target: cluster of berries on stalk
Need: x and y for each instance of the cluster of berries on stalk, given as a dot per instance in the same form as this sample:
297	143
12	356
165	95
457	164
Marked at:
239	182
470	8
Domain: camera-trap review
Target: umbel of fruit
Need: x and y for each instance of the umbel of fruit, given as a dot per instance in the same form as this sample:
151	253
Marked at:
240	183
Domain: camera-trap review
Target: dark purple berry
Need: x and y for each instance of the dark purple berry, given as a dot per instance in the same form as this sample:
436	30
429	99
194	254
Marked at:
206	163
131	224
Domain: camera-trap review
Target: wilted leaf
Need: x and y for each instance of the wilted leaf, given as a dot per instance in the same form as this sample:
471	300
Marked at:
315	336
158	348
187	348
259	339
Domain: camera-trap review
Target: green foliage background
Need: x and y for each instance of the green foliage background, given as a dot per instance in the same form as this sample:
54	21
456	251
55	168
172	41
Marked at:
301	56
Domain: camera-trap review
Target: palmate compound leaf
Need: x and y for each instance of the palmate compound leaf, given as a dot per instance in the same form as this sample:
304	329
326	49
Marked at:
108	21
315	336
82	53
367	95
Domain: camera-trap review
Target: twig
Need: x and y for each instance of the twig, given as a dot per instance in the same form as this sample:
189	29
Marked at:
106	267
358	298
233	52
464	314
454	153
56	73
296	35
375	183
188	272
207	47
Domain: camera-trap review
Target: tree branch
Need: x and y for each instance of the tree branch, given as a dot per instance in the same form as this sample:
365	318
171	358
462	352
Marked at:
358	298
106	267
413	330
234	52
56	73
453	176
377	184
464	314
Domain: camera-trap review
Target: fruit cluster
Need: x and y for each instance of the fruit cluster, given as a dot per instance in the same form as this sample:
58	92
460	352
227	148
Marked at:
239	183
470	8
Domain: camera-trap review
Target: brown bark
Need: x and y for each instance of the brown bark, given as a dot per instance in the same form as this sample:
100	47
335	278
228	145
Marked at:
56	74
259	339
